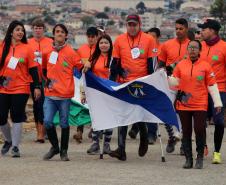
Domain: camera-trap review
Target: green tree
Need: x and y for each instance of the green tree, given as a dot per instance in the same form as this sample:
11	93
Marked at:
87	20
107	9
102	15
111	23
123	15
141	8
178	4
218	10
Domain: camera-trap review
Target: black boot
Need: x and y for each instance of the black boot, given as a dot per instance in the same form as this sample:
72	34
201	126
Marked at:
65	132
143	147
134	131
120	152
187	147
200	152
52	136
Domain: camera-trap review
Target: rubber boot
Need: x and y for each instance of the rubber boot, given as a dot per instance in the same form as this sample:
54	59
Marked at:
200	152
143	147
52	136
65	133
187	147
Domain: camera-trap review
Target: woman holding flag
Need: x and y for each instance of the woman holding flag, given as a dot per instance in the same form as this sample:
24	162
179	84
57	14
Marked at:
196	79
100	62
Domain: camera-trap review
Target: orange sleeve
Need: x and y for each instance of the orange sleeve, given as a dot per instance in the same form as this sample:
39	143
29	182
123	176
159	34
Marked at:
210	76
77	60
30	57
163	55
176	71
116	49
152	50
79	51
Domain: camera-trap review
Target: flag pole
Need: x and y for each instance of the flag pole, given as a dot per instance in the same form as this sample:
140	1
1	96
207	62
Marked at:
160	140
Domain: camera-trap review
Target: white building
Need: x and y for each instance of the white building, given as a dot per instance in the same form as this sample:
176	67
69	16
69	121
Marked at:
99	5
194	5
29	2
150	20
76	24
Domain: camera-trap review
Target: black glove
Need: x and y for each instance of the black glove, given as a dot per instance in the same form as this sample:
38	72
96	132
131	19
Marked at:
2	79
47	83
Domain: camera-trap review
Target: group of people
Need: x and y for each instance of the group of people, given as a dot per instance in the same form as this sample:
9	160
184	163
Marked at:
196	69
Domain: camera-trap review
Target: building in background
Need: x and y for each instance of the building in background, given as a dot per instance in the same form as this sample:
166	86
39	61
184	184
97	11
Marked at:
99	5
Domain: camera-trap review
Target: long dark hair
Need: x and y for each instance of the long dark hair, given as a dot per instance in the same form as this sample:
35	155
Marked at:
8	38
94	57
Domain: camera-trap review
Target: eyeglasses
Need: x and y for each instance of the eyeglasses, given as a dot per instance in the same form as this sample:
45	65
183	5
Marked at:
192	48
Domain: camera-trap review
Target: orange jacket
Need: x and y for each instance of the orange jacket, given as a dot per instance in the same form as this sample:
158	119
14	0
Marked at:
18	79
134	68
194	80
216	56
85	51
39	49
100	69
61	73
172	51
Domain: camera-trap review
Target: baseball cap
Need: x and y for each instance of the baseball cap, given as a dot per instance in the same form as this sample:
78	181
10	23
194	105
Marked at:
133	18
210	23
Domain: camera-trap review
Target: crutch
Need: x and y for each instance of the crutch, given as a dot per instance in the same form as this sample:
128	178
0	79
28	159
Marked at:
102	148
160	140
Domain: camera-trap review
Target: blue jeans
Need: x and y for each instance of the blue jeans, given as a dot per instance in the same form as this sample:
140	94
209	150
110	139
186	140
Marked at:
50	108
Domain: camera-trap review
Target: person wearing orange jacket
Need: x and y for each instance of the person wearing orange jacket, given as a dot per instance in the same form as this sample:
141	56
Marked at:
17	66
39	45
100	62
59	89
195	79
214	52
133	57
172	51
152	127
85	52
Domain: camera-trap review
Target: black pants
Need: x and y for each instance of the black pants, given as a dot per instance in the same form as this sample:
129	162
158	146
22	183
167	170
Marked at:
199	118
38	104
15	103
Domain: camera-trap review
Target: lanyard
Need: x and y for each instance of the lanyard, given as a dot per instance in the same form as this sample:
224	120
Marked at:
131	47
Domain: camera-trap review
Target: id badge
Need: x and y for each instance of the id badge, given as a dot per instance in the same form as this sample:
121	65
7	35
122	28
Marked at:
53	57
38	57
13	63
135	53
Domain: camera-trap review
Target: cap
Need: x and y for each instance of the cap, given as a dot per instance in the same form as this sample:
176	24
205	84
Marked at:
133	18
92	31
210	23
101	29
